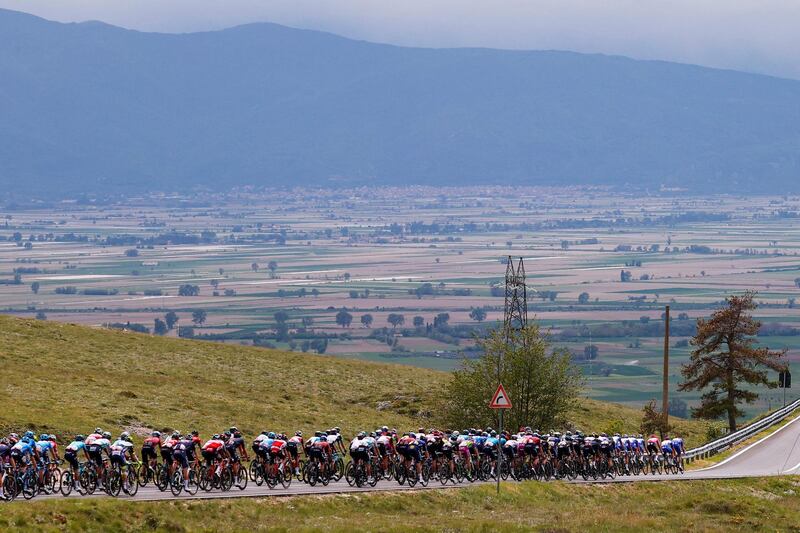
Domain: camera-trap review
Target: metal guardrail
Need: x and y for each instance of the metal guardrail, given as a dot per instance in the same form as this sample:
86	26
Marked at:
721	444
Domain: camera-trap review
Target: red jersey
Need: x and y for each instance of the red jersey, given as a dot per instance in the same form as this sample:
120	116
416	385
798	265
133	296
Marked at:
169	443
277	446
213	445
151	442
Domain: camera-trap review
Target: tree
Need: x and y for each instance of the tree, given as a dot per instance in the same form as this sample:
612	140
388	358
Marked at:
347	276
440	320
171	319
41	316
272	266
418	321
281	317
198	317
344	319
797	282
188	290
314	292
35	287
625	275
214	283
478	314
653	420
160	327
307	321
678	407
185	332
725	358
132	252
254	267
366	320
541	381
583	298
395	320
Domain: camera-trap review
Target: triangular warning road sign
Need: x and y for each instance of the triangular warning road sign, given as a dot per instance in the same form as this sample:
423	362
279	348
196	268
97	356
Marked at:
500	400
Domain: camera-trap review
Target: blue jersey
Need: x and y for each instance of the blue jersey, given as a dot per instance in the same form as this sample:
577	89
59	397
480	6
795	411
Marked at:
666	446
44	447
492	442
677	444
479	440
25	447
76	446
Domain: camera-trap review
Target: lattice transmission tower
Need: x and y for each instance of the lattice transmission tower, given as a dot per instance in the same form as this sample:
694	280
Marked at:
516	311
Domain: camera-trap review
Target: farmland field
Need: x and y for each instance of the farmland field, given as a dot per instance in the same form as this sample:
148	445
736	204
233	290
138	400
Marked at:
275	268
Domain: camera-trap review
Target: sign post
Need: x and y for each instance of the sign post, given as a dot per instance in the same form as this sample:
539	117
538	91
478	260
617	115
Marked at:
500	401
785	382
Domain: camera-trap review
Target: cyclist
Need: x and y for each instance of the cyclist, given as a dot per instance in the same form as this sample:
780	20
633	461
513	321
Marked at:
261	446
359	451
277	451
149	446
667	449
214	451
490	448
167	449
46	451
293	444
322	452
5	458
235	446
180	456
120	450
408	447
678	445
71	457
385	447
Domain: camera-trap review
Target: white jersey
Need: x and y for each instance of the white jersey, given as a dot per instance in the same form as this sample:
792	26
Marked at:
357	443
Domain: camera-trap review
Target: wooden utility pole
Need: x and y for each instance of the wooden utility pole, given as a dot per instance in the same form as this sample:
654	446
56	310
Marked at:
665	393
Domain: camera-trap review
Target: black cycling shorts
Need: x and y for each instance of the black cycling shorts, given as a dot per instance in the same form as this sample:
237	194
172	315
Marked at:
181	458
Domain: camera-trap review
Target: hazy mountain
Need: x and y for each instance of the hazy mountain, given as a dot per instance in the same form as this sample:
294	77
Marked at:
91	106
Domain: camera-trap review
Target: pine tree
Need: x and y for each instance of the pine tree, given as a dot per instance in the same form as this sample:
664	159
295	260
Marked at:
725	358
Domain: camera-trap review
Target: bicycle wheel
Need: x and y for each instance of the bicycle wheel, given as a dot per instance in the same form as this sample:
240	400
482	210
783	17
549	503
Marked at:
226	479
411	475
241	478
338	472
176	482
349	474
252	470
162	477
114	482
66	483
10	488
29	485
131	486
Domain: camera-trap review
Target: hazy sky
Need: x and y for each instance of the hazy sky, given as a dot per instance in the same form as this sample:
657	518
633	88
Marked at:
754	35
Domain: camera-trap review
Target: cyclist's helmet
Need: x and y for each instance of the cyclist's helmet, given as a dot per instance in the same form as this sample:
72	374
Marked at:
156	434
317	433
233	429
361	435
337	429
106	435
176	434
99	431
271	435
216	436
79	438
29	434
385	428
195	433
237	434
493	433
125	435
298	433
43	436
13	438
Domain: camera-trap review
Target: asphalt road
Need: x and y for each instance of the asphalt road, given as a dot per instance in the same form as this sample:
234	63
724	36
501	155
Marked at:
775	454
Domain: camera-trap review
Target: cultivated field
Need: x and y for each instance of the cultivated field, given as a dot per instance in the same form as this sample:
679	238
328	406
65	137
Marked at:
416	252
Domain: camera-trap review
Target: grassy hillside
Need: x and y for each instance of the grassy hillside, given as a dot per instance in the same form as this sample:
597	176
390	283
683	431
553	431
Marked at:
744	504
64	379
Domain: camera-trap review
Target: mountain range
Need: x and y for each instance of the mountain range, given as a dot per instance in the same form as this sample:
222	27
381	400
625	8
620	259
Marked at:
93	107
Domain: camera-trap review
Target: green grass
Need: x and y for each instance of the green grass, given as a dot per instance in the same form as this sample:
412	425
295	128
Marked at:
769	504
65	379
